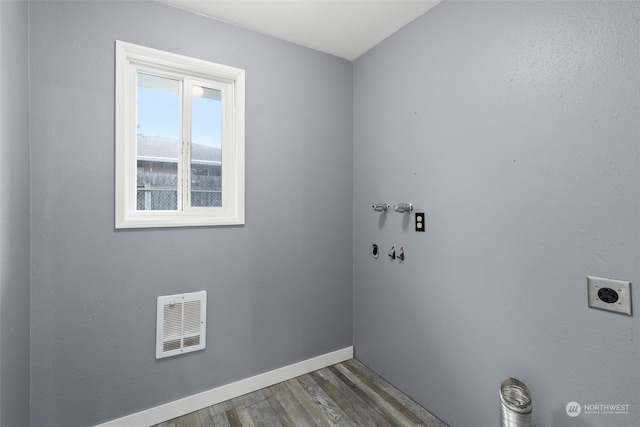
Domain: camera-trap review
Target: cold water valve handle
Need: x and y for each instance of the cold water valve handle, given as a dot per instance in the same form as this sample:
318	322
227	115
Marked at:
403	207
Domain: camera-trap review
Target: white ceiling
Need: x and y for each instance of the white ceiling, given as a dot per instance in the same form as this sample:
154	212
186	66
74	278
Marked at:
344	28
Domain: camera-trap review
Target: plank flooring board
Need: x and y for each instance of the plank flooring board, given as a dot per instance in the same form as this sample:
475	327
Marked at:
244	417
233	418
378	405
361	370
309	405
378	396
290	405
332	411
340	394
220	408
428	418
347	394
209	418
263	415
371	406
189	420
247	400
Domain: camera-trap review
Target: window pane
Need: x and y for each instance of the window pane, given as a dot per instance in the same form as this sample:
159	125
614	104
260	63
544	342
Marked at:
206	147
157	143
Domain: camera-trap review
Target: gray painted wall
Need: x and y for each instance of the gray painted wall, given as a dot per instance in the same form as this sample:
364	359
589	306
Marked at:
515	127
14	215
279	288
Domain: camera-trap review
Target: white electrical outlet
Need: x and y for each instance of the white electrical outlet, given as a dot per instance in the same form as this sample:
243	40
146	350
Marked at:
608	294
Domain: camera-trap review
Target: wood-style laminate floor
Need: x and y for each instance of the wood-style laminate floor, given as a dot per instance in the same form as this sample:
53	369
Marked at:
344	395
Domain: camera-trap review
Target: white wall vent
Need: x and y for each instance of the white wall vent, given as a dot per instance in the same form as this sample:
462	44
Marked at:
181	324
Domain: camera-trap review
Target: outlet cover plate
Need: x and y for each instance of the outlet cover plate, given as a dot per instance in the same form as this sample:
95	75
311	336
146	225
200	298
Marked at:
620	288
419	221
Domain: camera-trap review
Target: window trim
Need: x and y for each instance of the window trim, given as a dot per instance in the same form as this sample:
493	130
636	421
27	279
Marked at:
130	59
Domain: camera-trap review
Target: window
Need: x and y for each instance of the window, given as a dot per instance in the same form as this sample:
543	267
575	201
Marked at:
179	140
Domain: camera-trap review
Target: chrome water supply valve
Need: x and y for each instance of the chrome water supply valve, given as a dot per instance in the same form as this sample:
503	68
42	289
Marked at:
380	207
403	207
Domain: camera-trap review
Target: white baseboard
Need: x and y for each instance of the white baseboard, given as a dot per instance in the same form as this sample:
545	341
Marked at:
198	401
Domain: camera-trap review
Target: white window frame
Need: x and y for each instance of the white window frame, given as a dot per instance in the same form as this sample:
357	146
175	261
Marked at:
131	59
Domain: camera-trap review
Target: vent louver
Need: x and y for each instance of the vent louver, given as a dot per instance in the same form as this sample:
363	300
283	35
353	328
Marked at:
181	324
